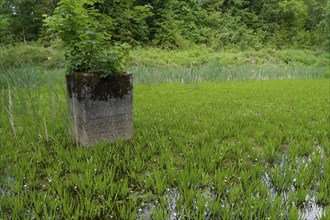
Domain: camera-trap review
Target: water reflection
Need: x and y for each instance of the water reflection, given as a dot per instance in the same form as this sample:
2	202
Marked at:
309	209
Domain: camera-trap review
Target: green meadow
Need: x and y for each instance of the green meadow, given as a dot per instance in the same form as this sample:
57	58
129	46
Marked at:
225	138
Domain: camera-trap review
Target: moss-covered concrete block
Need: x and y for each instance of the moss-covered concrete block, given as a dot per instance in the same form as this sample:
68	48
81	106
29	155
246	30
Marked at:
100	108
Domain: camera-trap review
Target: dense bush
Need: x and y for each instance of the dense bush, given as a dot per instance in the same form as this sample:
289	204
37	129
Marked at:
170	24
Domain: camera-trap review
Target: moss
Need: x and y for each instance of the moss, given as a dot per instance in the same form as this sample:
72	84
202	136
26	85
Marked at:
95	87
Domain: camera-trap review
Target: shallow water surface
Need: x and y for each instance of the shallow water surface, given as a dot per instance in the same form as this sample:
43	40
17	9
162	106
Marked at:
309	210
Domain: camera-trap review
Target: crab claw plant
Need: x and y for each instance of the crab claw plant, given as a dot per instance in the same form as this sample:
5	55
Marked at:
99	90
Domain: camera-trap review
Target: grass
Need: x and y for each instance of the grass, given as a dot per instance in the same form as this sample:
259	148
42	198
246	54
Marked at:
28	76
200	150
31	54
200	55
212	140
52	57
31	64
146	74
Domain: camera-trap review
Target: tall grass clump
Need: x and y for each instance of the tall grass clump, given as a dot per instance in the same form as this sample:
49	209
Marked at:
29	76
28	65
144	74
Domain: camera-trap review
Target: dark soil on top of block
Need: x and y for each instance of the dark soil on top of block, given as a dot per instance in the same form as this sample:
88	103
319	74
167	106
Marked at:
95	87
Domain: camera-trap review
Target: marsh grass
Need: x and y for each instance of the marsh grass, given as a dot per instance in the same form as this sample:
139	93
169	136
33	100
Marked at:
29	76
209	145
212	140
221	73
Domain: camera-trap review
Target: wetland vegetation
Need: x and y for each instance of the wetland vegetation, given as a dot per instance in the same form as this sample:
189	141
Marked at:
231	111
211	141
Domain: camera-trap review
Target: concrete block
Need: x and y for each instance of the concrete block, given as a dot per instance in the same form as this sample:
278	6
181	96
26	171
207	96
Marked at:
100	109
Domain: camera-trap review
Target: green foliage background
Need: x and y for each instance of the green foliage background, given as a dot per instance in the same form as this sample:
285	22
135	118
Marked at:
192	134
172	24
